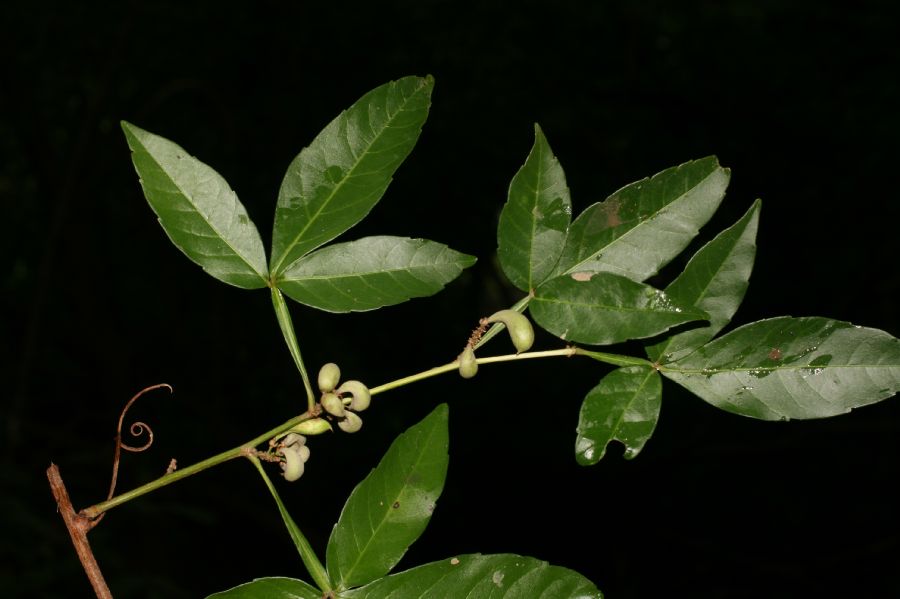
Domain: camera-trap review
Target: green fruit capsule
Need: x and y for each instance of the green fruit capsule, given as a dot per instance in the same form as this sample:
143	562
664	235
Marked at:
314	426
333	405
329	376
520	330
293	439
293	464
468	366
359	392
351	423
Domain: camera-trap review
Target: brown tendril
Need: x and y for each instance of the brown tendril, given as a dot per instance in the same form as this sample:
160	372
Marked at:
136	430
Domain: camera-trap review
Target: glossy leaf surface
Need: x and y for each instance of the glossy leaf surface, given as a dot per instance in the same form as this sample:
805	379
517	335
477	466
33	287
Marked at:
641	227
477	576
534	220
793	368
271	588
604	308
623	407
390	508
335	181
715	281
371	273
198	210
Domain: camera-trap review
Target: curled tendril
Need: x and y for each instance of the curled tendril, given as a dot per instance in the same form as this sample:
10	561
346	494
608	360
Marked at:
136	429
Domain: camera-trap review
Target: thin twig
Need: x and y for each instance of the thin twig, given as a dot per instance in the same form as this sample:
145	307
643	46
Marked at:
78	527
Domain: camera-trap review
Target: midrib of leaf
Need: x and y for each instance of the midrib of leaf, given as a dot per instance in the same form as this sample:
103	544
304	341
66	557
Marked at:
769	369
633	396
612	308
387	271
537	187
197	209
350	174
623	236
346	574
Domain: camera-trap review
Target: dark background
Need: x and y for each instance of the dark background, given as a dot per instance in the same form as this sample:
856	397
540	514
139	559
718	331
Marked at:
799	99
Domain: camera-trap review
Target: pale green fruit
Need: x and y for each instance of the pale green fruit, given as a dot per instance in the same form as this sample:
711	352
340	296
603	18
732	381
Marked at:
468	366
520	330
359	392
329	376
351	423
293	464
314	426
333	405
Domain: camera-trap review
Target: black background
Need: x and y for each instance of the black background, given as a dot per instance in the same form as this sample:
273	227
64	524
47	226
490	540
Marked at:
799	99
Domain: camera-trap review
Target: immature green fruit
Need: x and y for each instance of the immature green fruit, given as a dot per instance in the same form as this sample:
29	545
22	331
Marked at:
314	426
329	376
333	405
295	453
351	423
359	392
468	366
520	330
293	466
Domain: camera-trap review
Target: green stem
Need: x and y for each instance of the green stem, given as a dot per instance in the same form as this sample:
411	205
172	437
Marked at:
614	359
310	560
287	329
242	450
569	351
167	479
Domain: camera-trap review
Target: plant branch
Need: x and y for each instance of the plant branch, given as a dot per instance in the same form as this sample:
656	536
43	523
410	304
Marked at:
310	560
567	352
287	329
78	526
167	479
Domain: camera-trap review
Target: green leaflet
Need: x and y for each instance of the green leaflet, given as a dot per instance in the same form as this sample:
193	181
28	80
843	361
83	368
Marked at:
535	218
641	227
604	308
391	507
371	273
270	588
715	281
198	210
478	576
788	367
624	407
332	184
